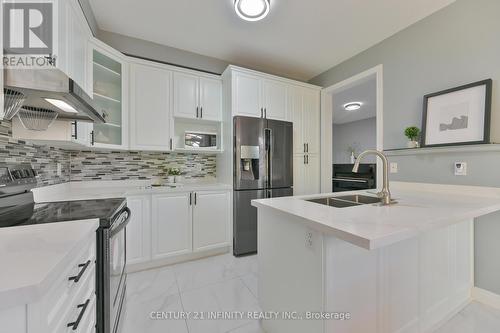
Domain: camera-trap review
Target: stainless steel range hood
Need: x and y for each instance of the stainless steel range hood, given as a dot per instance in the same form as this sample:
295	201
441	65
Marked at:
52	89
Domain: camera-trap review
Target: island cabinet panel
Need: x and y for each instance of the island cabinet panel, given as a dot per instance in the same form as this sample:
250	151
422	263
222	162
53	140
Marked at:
284	252
410	286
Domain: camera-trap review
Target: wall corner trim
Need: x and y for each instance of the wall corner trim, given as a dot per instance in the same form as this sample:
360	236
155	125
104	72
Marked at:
486	297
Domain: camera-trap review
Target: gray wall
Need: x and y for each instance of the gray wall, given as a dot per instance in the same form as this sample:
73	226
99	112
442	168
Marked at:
360	135
454	46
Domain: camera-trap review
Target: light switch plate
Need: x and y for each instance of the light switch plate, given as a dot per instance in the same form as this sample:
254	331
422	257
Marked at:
460	168
394	167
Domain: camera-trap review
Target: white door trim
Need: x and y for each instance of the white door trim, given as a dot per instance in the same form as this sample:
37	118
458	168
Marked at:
327	118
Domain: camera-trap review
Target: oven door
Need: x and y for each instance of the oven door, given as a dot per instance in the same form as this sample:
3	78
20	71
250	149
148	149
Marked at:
117	268
351	184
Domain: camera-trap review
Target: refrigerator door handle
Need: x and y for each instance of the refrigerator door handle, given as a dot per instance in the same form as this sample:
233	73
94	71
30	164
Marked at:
268	134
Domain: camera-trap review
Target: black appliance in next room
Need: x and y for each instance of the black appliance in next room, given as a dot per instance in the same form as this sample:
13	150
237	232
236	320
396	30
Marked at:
346	180
17	208
263	168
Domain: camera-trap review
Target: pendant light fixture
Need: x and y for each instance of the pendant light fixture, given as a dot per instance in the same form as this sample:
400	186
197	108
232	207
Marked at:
252	10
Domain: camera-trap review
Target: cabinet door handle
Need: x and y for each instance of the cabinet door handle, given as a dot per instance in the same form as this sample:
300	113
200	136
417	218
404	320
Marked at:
304	147
307	147
197	112
201	112
307	159
92	136
83	307
195	198
83	267
75	129
262	112
265	113
190	199
171	144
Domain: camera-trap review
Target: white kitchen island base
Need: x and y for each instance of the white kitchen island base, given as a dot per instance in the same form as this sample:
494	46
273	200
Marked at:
410	286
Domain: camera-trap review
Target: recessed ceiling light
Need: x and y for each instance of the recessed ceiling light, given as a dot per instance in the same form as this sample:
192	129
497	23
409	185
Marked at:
252	10
352	106
61	105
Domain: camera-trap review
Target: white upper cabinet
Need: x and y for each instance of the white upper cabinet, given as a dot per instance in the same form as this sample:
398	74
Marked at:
247	95
78	36
109	73
305	115
275	99
312	120
211	99
197	97
258	95
150	114
186	93
70	49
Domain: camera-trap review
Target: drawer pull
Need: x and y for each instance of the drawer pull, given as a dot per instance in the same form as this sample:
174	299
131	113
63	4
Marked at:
80	315
79	276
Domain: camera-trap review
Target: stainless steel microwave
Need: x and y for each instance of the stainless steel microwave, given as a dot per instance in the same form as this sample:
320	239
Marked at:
200	140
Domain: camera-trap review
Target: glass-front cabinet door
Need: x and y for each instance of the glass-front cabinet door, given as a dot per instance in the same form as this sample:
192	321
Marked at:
109	73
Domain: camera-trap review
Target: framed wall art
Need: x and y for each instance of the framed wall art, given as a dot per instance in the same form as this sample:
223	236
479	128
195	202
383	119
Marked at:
458	116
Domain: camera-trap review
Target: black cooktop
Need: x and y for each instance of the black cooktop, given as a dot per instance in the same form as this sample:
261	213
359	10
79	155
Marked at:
30	213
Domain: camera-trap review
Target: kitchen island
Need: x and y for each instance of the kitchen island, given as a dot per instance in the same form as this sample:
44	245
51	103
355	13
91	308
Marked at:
407	267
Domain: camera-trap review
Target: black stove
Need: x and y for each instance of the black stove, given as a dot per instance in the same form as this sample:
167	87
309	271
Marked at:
17	208
104	209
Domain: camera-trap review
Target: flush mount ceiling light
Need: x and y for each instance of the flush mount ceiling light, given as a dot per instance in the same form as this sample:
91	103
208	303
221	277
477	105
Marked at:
252	10
61	105
352	106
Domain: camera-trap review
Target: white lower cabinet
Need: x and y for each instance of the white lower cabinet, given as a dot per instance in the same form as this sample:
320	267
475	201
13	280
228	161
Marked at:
172	227
68	306
210	220
139	230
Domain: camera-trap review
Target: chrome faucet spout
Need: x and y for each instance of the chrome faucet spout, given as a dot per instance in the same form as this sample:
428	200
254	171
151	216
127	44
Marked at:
385	194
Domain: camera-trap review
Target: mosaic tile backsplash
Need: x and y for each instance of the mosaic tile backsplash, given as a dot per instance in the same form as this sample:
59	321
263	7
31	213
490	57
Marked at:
106	165
43	159
100	165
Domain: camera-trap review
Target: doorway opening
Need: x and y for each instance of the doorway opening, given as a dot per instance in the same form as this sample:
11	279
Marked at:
351	123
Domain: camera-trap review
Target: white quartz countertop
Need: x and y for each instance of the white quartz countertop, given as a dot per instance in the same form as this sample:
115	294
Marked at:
420	208
115	189
33	256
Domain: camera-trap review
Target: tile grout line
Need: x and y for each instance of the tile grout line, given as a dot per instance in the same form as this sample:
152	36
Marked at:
180	297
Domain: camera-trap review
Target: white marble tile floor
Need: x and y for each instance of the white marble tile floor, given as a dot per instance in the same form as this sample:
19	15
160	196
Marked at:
225	283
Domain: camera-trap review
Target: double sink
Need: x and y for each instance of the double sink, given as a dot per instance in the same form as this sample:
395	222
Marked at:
347	201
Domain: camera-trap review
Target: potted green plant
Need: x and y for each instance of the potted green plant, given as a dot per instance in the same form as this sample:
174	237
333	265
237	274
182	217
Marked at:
174	175
412	133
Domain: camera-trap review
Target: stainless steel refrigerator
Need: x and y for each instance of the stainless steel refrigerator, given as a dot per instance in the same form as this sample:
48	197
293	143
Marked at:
263	168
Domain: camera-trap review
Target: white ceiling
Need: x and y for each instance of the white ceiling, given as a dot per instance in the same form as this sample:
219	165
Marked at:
364	92
299	39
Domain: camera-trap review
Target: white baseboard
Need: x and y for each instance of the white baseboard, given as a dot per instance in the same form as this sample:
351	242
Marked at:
486	297
131	268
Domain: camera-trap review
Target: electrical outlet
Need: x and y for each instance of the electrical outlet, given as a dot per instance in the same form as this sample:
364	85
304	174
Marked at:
394	167
59	169
309	239
460	168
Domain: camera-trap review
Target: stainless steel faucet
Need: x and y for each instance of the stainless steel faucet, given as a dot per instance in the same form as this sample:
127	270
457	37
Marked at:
385	194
